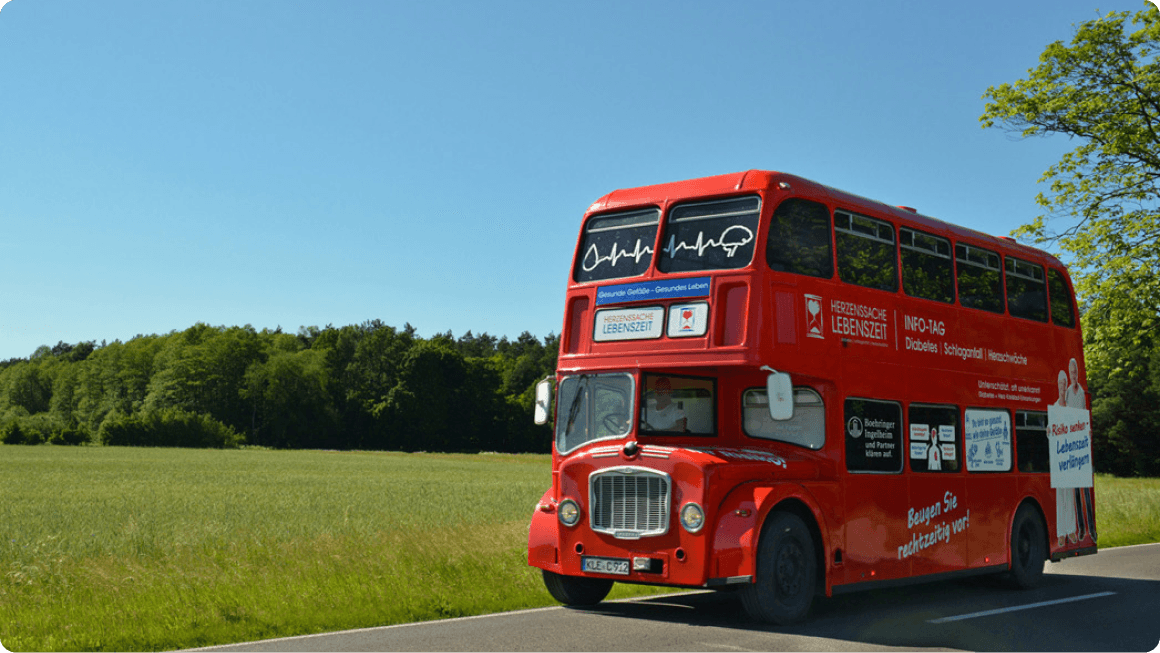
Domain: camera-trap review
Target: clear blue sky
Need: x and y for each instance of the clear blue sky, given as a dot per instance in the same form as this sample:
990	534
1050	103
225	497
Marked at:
281	163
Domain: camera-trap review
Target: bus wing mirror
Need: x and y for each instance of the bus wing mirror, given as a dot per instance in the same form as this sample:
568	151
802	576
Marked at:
779	390
543	401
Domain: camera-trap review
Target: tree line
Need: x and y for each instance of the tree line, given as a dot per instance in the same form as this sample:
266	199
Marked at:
374	387
368	386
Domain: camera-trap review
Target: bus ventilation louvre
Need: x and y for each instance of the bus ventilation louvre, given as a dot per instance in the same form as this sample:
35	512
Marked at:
630	503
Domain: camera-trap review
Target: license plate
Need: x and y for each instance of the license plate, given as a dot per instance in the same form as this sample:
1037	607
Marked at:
618	566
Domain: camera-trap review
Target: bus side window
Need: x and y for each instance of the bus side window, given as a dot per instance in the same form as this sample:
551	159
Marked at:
807	428
980	278
873	435
1026	292
866	255
934	438
928	271
1031	441
799	239
1060	295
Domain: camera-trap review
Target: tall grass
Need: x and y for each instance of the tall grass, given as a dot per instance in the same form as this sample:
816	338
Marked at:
105	548
139	549
1127	510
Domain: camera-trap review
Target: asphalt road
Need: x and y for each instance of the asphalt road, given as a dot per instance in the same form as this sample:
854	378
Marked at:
1106	602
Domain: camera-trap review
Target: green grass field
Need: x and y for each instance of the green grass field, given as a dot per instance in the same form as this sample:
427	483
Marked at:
145	549
1127	510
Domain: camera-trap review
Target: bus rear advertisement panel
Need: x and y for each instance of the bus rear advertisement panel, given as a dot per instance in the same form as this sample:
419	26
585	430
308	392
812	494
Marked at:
768	383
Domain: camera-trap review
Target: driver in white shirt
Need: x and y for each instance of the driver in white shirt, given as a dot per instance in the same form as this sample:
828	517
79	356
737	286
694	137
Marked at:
663	414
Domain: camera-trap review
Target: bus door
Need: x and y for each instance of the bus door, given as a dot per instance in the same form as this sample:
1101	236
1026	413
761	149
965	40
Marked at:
938	516
876	493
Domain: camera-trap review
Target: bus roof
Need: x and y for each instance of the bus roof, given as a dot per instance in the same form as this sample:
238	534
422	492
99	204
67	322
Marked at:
761	180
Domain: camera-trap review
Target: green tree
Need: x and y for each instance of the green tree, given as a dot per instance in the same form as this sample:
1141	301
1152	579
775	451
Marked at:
1102	204
115	378
203	369
29	387
1123	362
1102	90
429	405
292	406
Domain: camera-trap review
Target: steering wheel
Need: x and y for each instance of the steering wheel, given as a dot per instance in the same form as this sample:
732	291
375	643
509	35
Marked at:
614	422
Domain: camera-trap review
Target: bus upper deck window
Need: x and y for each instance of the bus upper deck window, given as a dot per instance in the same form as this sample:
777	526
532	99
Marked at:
718	235
1026	292
865	249
1060	295
617	245
799	239
927	267
980	278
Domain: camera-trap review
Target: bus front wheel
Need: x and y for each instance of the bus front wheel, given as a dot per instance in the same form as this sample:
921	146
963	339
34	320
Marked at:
571	590
1028	548
786	572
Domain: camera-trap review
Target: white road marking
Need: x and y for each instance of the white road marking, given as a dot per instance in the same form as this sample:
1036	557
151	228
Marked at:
705	646
1016	608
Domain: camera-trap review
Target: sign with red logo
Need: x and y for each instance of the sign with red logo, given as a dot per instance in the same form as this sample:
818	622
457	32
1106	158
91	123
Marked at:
688	320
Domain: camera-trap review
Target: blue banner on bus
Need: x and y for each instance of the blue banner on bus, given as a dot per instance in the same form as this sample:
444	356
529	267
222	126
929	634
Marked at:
653	290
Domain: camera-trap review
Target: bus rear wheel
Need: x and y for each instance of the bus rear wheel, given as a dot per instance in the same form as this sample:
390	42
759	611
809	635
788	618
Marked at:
571	590
1028	548
786	572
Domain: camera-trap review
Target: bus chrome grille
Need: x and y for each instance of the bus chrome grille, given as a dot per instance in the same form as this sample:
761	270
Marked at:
629	502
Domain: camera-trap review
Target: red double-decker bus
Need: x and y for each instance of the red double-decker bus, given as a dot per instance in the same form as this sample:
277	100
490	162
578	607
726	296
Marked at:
769	385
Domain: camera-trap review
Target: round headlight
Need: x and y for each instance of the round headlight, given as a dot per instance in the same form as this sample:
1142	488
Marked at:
569	512
692	517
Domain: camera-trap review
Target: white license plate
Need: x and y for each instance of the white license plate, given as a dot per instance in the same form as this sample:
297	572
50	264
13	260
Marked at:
618	566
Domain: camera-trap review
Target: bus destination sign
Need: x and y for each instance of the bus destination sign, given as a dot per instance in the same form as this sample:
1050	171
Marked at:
653	290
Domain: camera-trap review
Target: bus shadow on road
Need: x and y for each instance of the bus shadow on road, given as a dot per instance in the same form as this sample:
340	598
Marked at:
907	616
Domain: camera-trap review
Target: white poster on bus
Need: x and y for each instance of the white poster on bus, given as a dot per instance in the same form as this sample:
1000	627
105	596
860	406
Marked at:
628	324
1070	446
987	437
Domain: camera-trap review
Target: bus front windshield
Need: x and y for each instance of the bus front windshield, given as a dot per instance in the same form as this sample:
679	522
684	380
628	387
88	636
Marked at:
593	407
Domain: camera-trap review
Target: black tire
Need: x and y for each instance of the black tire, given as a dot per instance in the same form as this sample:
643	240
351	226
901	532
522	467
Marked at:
786	572
1028	548
571	590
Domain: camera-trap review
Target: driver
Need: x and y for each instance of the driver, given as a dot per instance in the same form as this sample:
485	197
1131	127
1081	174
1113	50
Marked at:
663	414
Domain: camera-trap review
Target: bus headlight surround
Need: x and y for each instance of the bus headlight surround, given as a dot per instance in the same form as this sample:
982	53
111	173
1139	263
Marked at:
569	512
692	517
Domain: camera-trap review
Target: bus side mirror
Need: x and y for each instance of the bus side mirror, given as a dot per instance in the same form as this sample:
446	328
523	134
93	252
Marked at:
543	401
779	390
